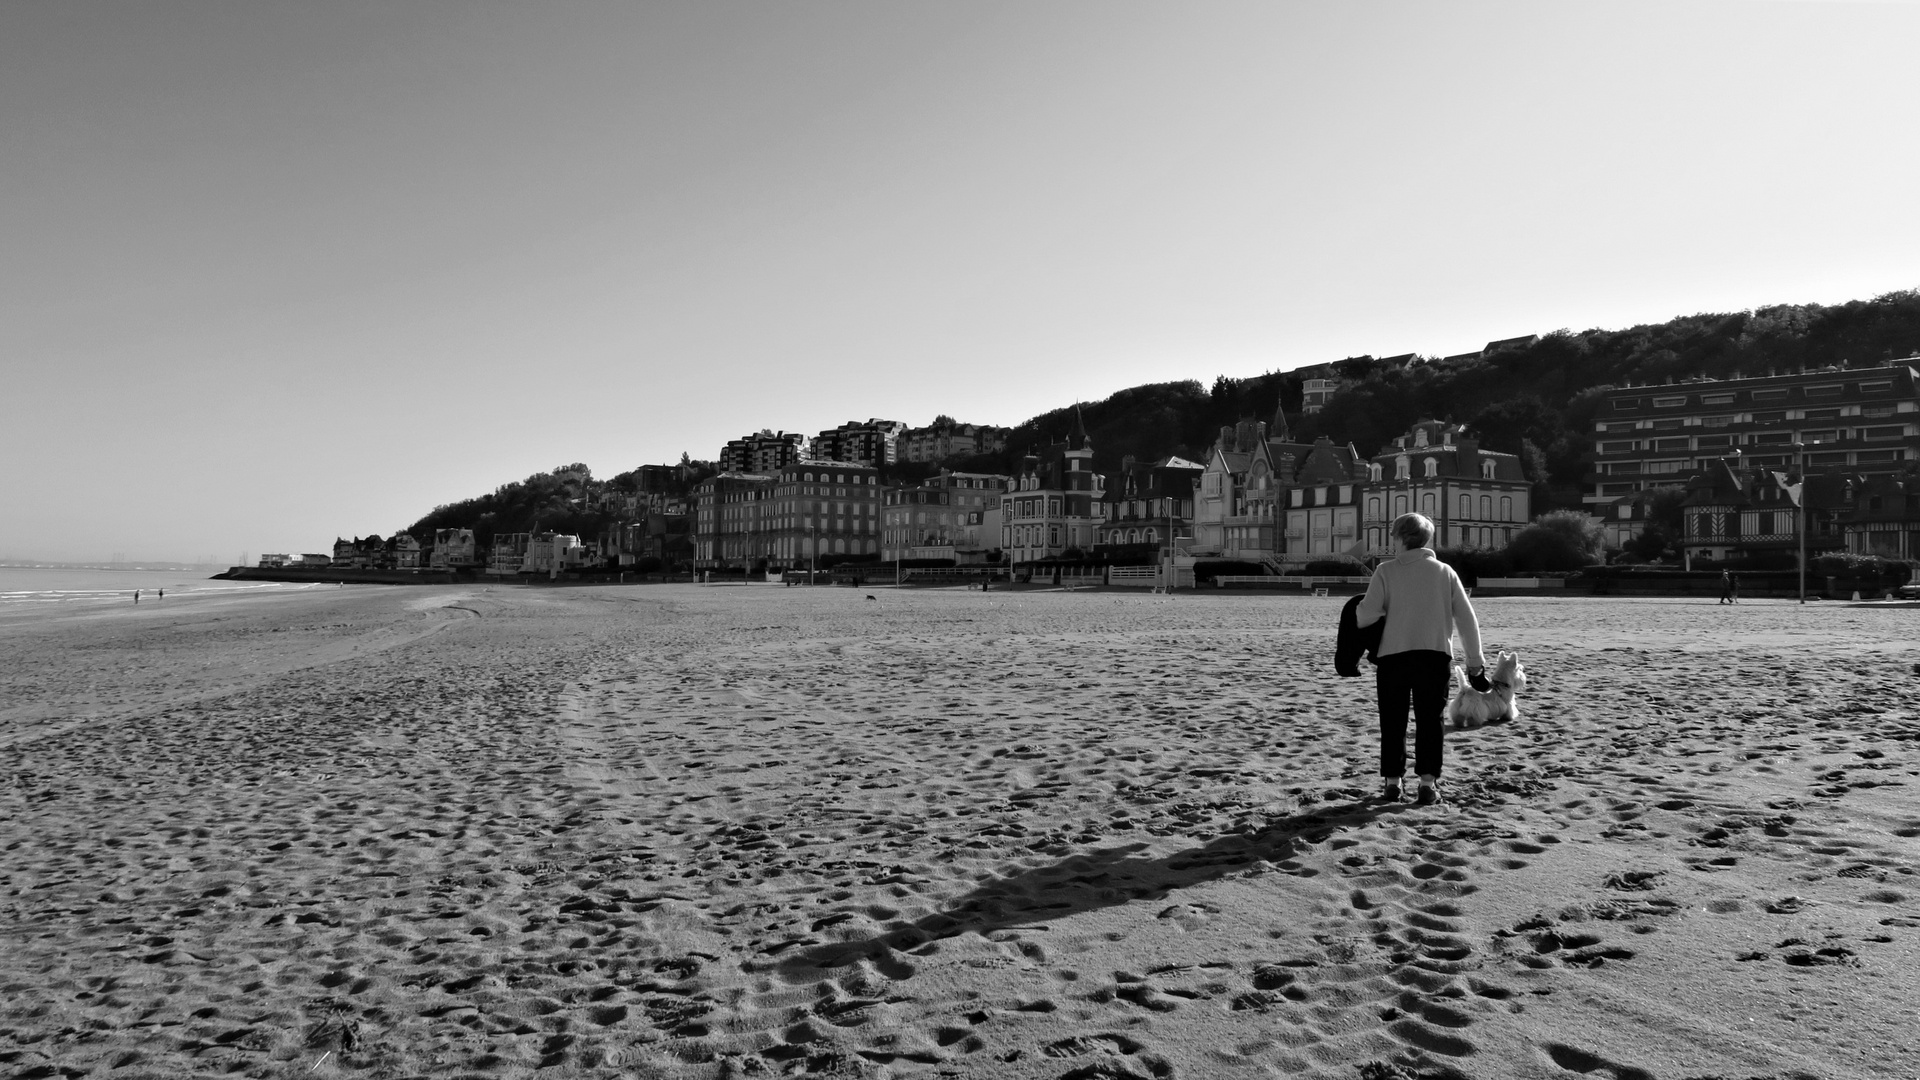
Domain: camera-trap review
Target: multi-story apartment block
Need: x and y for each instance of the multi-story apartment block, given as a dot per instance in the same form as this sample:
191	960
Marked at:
1861	420
945	439
732	526
822	508
763	453
1476	497
950	516
1146	504
1054	504
859	442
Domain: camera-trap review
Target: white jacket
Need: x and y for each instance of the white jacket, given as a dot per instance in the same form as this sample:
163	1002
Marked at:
1424	603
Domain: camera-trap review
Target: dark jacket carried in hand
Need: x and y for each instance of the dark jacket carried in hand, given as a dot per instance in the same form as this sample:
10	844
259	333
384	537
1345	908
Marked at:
1355	642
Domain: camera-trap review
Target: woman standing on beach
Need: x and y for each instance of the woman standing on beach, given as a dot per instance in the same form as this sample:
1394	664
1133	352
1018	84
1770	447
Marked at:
1423	602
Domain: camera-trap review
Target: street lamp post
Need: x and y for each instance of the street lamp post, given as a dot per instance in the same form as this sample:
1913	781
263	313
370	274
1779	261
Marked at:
1800	515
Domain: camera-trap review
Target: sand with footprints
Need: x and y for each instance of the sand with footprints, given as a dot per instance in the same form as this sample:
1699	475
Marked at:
673	831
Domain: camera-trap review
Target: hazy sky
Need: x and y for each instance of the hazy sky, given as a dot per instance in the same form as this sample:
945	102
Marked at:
272	272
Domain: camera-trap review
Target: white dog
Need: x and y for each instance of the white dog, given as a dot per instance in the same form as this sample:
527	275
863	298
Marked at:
1470	708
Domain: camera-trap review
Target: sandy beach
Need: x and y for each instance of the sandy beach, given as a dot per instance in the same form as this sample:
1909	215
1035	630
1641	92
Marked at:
675	831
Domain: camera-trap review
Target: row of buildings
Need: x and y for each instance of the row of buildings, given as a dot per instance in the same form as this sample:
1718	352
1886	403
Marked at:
861	442
1833	451
1756	462
1259	497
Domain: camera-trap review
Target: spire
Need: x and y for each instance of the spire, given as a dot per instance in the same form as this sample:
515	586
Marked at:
1278	430
1077	439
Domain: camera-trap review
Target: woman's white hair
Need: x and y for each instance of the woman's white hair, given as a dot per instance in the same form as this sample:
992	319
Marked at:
1413	530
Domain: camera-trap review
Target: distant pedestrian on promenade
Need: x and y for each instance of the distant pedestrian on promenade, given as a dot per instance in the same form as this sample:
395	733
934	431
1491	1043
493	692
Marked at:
1424	603
1728	587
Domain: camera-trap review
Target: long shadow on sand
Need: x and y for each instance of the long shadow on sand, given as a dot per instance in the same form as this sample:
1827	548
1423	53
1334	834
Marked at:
1085	881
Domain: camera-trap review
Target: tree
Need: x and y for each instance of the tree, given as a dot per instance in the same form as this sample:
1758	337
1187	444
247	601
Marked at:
1660	536
1560	540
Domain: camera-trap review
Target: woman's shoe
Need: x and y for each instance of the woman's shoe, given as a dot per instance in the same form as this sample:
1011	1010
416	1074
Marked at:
1429	791
1390	791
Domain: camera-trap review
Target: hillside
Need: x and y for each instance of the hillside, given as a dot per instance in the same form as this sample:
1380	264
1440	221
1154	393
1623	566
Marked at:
1535	400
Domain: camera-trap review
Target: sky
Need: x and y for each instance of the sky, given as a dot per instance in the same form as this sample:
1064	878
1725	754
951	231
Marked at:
275	272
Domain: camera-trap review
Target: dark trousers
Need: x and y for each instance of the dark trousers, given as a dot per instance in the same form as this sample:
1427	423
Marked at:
1422	676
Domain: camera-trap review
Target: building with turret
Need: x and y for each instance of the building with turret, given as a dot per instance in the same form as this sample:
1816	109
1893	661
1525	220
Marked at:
1054	506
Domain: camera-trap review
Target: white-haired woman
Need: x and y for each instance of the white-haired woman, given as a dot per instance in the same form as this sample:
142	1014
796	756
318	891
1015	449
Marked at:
1423	602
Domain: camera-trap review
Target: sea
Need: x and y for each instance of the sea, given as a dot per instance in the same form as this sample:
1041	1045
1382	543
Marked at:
63	588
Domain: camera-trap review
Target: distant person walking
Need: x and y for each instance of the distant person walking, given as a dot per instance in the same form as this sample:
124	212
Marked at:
1729	587
1424	602
136	596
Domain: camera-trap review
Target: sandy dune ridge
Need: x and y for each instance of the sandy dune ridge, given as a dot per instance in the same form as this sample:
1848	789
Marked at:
713	832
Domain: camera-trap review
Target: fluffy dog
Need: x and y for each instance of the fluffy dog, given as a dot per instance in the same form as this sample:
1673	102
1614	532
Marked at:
1470	708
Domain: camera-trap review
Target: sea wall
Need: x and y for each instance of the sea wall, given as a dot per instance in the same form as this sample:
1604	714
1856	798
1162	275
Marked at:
331	575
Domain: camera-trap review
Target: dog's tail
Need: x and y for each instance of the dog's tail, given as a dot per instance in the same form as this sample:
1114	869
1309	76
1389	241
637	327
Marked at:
1460	678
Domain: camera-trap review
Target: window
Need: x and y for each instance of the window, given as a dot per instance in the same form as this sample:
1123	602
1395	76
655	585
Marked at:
1715	421
1670	444
1828	390
1614	448
1625	404
1431	466
1373	508
1707	441
1506	508
1770	395
1893	432
1716	399
1826	436
1820	414
1673	402
1882	387
1876	411
1836	458
1399	505
1773	437
1487	466
1466	506
1669	425
1771	417
1873	457
1486	507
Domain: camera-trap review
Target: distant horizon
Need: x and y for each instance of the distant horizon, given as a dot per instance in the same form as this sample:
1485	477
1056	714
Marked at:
275	269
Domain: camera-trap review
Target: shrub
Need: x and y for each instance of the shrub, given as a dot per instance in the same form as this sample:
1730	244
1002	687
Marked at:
1208	569
1560	540
1472	564
1842	564
1335	568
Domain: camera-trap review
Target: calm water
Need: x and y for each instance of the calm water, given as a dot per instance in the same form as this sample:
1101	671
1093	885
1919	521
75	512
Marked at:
23	587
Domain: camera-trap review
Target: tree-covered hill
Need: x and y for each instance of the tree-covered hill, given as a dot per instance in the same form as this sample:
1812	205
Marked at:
1535	399
566	500
1532	398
